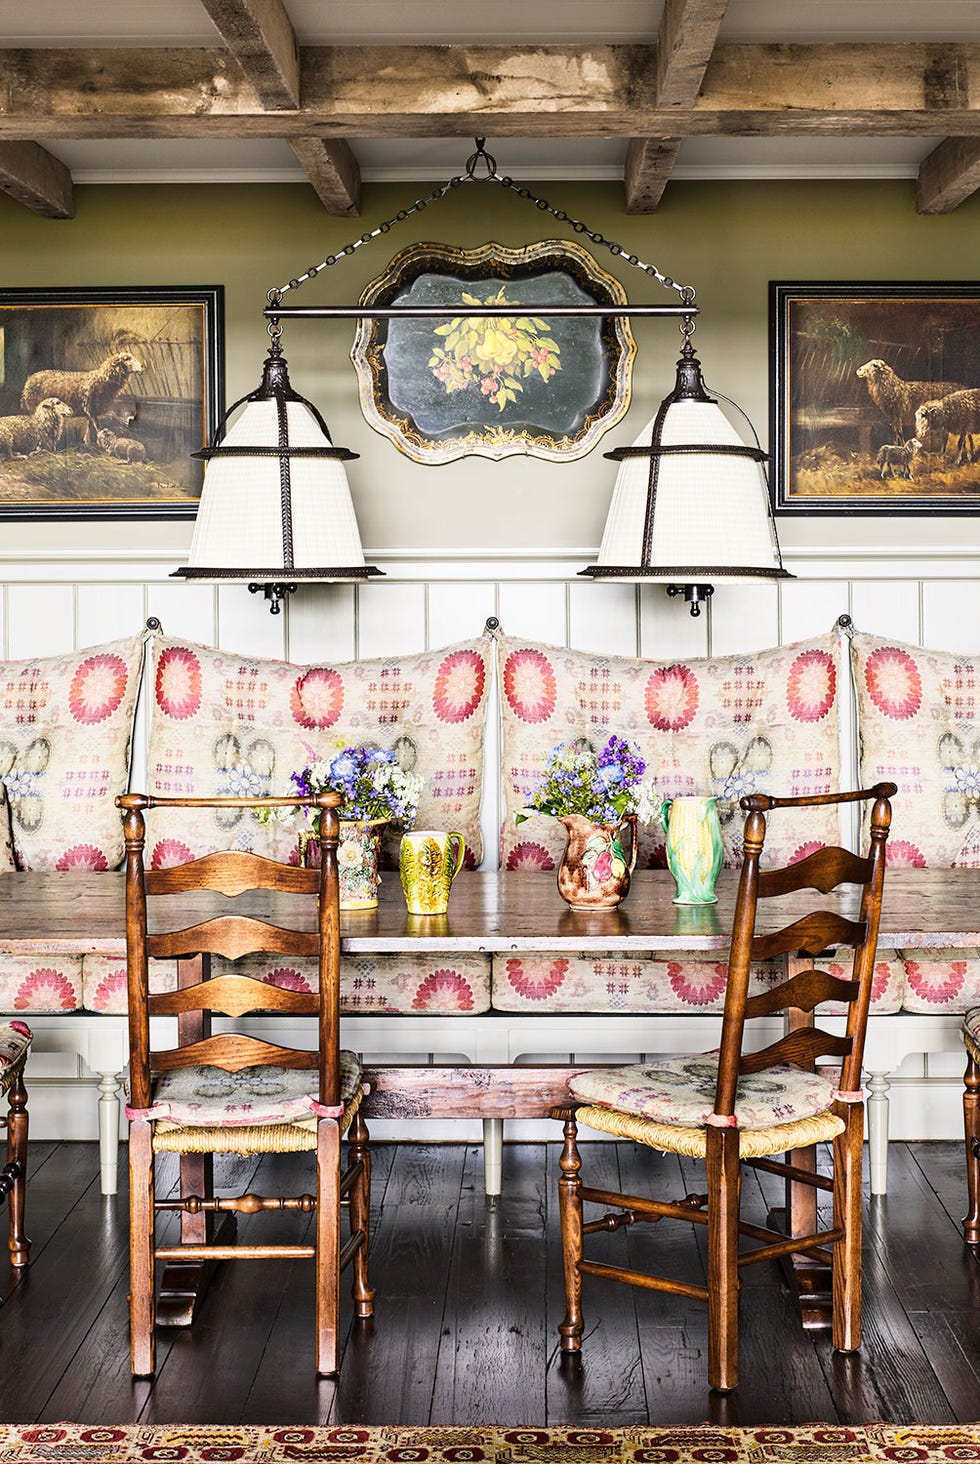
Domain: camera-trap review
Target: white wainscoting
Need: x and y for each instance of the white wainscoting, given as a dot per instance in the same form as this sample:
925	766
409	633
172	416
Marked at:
51	603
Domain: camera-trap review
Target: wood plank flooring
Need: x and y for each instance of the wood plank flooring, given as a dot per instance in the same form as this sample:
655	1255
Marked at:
469	1297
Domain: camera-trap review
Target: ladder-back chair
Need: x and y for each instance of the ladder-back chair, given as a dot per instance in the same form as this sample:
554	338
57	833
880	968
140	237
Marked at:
737	1106
15	1045
228	1092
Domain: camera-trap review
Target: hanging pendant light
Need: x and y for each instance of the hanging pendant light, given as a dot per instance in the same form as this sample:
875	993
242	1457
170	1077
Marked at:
276	505
691	503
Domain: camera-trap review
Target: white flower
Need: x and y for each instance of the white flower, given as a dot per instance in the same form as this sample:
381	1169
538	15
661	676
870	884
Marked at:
348	854
647	802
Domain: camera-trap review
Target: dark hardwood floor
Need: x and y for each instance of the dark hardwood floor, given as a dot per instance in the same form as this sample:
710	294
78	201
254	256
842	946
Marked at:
469	1297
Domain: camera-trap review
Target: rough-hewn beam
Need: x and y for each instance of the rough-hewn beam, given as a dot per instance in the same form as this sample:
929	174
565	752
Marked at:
687	37
260	36
32	176
334	172
558	91
948	175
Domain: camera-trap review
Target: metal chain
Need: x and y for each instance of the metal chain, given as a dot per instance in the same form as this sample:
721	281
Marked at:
491	175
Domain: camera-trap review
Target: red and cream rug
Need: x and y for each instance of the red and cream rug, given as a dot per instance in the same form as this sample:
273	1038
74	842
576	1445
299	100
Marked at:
75	1443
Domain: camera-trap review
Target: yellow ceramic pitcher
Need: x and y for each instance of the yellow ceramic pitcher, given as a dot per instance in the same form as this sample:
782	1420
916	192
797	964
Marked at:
428	861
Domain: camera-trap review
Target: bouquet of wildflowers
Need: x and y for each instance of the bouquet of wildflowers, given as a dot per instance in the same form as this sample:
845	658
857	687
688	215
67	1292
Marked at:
373	785
604	787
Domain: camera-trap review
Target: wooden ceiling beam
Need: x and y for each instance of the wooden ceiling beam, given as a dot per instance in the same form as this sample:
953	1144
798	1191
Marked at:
686	39
907	89
950	174
41	182
260	36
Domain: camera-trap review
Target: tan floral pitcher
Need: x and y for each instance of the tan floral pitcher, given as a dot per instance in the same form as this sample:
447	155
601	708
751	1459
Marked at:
594	873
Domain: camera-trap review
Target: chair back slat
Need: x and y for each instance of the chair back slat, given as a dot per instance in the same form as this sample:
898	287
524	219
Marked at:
822	870
821	929
804	991
297	928
231	1051
233	936
231	873
801	1048
234	996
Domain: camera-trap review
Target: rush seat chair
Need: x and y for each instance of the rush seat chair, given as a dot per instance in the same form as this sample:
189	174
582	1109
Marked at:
229	1092
740	1107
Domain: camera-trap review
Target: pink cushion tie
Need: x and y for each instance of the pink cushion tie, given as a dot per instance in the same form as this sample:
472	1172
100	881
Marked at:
722	1120
841	1095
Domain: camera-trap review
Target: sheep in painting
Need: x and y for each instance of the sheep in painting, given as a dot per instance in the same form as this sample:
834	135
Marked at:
128	449
90	394
897	400
897	459
957	415
39	432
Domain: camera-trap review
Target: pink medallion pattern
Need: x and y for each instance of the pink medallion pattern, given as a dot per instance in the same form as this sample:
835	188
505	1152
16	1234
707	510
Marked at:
444	989
893	682
529	684
66	725
812	686
230	724
724	726
459	686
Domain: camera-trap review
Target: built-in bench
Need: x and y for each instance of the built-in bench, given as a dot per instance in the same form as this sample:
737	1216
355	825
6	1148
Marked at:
220	723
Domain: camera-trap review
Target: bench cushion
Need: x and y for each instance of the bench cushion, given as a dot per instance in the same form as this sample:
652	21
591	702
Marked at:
65	730
44	983
225	724
728	725
655	985
919	715
444	985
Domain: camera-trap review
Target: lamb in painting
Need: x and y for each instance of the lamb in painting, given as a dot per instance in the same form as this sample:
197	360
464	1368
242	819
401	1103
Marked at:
128	449
897	459
39	432
897	400
957	415
90	394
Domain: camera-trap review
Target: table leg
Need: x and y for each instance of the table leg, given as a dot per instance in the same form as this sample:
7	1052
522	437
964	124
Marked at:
109	1089
493	1150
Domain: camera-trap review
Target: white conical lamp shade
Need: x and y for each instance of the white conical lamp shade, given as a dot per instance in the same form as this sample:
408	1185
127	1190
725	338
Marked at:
240	520
690	499
276	505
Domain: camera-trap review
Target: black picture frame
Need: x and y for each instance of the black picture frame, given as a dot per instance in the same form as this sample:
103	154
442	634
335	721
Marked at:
843	443
557	410
58	465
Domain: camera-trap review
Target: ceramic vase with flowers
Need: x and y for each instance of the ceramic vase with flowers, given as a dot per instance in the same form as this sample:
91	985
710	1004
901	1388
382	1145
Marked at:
376	792
599	798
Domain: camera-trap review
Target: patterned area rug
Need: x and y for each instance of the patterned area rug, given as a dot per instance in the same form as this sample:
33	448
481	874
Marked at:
60	1443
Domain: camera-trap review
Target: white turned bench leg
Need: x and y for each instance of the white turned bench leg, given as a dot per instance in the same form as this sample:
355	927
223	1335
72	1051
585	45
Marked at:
493	1154
109	1090
878	1086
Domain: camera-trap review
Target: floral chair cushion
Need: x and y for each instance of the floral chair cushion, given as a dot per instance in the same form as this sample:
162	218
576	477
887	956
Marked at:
15	1042
919	714
7	861
686	982
443	986
65	730
971	1033
681	1091
208	1097
727	725
225	724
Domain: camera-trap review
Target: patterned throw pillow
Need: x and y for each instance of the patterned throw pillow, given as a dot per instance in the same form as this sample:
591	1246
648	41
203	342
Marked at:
7	861
65	731
225	724
919	715
764	722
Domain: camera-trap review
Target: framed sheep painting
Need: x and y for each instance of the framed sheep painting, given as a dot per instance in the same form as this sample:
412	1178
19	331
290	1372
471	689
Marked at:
875	398
104	395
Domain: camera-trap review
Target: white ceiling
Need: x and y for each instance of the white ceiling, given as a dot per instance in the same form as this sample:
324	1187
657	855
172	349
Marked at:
58	23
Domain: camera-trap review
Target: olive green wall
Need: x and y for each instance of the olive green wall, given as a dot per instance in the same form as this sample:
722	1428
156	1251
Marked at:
727	239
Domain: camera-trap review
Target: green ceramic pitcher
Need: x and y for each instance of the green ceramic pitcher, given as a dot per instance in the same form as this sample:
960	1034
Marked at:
694	847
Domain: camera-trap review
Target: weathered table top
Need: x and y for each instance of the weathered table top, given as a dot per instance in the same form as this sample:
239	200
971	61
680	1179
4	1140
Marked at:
82	913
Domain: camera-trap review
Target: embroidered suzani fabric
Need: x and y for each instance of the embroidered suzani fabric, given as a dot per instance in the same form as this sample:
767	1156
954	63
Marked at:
225	724
65	730
681	1091
764	722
